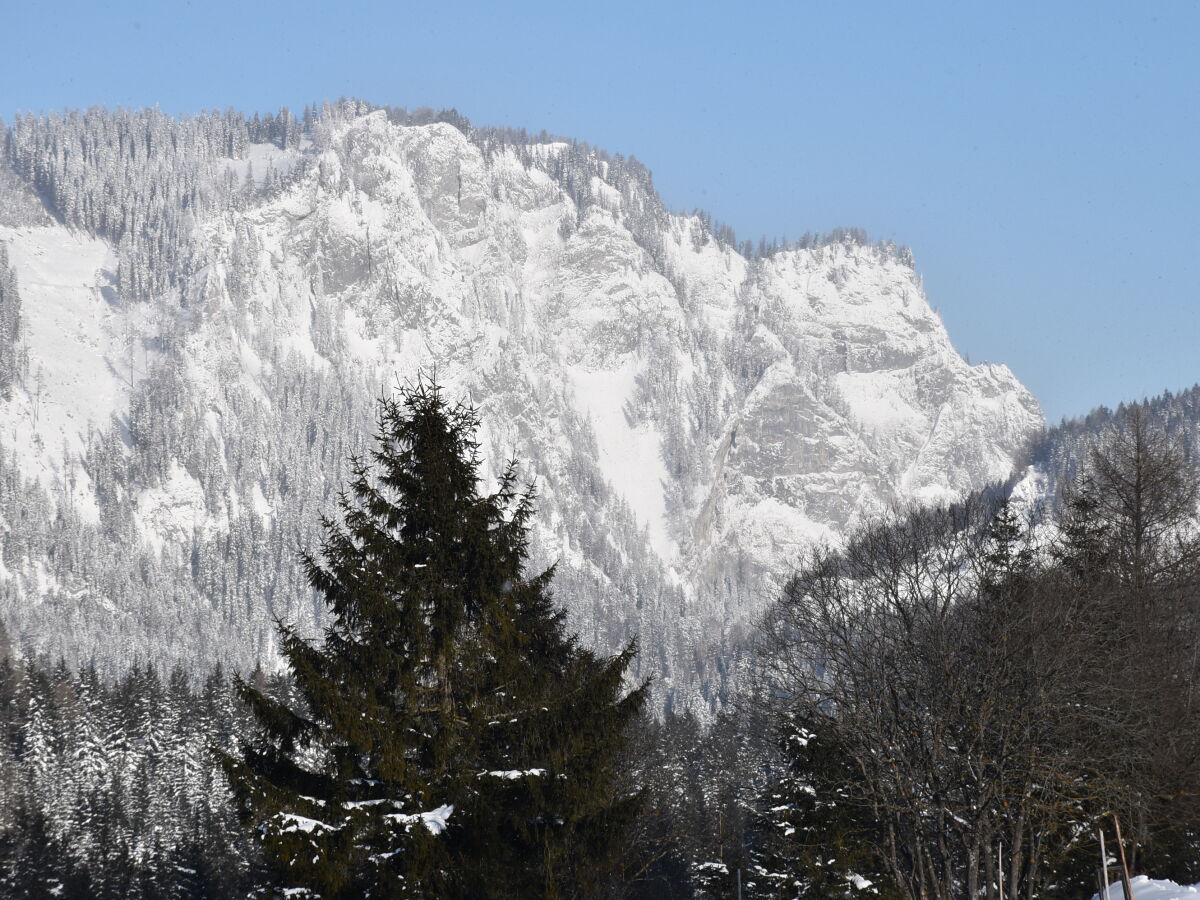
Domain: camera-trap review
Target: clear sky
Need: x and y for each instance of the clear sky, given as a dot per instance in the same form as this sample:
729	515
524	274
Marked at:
1040	158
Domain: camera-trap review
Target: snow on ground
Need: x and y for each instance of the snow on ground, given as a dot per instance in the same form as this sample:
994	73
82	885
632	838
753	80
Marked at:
435	820
1145	888
514	774
630	457
1031	490
79	367
302	823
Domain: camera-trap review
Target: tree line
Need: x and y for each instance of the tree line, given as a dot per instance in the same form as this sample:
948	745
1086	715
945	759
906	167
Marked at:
109	789
954	703
982	693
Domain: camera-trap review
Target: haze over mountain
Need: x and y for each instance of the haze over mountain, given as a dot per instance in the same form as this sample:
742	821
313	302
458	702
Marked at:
208	308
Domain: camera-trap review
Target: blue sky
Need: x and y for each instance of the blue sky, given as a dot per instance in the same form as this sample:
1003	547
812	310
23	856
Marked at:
1040	159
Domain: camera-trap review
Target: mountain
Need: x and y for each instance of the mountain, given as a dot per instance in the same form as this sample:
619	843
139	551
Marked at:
202	310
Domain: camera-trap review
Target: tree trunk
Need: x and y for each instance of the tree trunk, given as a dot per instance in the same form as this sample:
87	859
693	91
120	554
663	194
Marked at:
1014	859
1035	850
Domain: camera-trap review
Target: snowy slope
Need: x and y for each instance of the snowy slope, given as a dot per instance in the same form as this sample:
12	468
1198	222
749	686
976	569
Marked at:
1146	888
78	347
693	419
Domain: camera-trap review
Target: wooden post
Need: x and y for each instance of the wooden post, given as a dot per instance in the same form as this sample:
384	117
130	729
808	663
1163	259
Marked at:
1103	862
1126	886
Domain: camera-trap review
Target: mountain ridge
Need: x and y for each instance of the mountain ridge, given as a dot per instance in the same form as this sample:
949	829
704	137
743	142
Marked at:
693	418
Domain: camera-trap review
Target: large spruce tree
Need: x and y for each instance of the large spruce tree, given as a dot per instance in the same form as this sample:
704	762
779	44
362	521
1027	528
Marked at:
448	737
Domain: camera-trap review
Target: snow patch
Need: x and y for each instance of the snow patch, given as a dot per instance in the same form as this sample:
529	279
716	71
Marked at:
630	457
292	822
877	402
1146	888
258	159
435	820
171	513
78	344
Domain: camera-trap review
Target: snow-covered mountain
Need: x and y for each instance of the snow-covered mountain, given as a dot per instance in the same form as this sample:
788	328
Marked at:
205	321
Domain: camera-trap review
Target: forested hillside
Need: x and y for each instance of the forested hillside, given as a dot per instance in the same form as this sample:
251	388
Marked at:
202	311
1062	452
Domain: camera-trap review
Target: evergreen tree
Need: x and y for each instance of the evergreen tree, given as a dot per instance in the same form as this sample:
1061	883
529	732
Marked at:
448	737
30	858
817	840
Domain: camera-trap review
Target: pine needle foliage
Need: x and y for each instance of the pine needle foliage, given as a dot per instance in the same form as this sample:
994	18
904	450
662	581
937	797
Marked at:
449	737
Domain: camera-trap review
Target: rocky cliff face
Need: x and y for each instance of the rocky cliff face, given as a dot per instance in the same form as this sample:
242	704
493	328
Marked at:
692	418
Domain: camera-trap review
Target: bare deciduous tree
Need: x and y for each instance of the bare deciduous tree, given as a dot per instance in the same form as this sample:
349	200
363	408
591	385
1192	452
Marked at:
944	657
